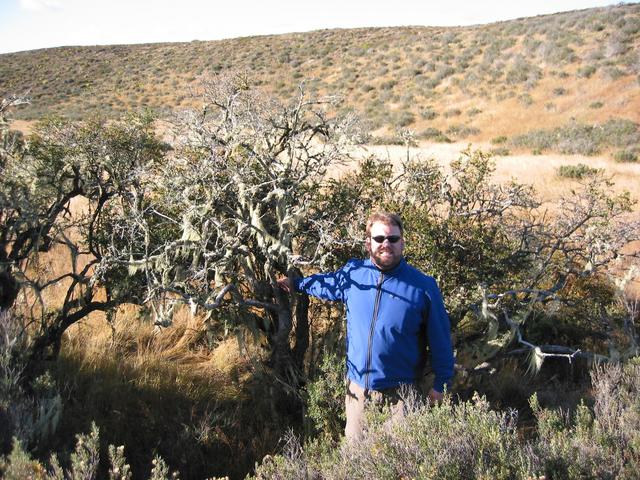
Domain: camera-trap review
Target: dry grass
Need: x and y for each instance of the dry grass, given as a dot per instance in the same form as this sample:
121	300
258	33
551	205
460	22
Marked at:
537	170
161	358
151	388
154	390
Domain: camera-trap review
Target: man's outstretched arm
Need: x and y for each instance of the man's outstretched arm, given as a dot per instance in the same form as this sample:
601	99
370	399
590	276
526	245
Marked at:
327	286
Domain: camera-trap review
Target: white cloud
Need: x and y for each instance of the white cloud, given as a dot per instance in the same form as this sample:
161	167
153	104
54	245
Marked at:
40	5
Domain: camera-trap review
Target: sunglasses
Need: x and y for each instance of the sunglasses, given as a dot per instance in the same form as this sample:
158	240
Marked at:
391	238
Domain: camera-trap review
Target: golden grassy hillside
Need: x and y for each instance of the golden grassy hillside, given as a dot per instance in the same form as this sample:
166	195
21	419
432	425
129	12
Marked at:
473	83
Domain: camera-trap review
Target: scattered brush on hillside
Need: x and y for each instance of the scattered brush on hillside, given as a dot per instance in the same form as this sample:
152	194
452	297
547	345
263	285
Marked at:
578	138
395	77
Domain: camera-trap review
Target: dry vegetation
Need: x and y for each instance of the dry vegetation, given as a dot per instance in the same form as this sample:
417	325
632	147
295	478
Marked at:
475	83
199	387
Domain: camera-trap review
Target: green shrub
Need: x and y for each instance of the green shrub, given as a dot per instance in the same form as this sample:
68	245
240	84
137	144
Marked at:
86	457
388	84
84	463
586	71
19	465
614	73
325	397
387	140
453	112
625	156
434	134
499	140
462	131
470	440
404	119
578	171
30	409
449	441
596	105
428	113
620	132
522	71
525	99
500	151
578	138
538	140
443	73
598	443
594	55
557	53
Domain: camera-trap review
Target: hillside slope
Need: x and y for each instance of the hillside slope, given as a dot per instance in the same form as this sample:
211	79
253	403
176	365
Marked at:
474	83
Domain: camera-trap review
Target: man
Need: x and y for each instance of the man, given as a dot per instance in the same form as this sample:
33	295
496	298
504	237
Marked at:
393	311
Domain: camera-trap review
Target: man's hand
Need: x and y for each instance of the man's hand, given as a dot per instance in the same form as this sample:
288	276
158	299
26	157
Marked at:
435	396
285	284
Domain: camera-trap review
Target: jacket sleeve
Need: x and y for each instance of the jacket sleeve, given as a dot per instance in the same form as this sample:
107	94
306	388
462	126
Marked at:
439	337
327	286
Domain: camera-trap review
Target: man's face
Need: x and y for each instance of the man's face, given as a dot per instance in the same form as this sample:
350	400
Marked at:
385	255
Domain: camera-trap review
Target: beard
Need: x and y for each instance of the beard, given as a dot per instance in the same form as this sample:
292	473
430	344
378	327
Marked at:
385	258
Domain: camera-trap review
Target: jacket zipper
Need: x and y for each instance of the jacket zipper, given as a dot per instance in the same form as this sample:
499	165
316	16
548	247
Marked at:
372	329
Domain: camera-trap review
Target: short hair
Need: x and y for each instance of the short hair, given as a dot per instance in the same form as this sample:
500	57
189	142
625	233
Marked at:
386	218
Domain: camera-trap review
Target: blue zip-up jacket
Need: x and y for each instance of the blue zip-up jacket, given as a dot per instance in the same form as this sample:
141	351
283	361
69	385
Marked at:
388	315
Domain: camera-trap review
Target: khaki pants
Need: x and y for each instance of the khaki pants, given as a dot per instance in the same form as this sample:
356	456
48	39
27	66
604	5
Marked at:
358	398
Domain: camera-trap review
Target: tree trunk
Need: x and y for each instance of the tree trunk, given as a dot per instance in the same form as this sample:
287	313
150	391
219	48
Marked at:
281	356
302	330
8	290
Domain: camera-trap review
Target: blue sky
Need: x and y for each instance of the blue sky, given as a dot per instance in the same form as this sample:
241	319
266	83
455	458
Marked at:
31	24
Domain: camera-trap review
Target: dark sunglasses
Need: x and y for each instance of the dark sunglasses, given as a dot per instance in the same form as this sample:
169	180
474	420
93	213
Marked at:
391	238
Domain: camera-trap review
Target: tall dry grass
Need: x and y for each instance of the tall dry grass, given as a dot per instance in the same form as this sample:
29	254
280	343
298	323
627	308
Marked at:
161	391
180	392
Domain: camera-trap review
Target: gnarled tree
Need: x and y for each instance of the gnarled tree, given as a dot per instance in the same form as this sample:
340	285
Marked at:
54	196
232	208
